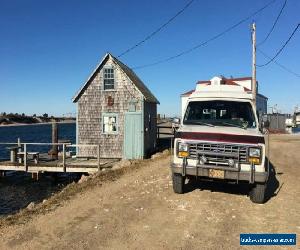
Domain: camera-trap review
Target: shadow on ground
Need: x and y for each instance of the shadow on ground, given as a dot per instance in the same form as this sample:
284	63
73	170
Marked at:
273	187
17	189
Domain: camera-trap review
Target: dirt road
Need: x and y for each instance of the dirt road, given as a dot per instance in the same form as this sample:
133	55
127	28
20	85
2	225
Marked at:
140	211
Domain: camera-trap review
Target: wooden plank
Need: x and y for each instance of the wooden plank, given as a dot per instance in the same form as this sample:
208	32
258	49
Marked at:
25	157
45	169
82	170
28	153
64	157
11	168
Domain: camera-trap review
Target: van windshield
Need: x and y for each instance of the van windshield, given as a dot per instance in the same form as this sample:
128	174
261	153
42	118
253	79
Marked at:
220	113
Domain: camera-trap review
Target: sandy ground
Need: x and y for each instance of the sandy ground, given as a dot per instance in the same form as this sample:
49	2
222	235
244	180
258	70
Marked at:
138	210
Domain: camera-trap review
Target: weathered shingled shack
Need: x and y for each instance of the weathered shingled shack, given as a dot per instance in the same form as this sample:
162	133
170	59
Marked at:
117	111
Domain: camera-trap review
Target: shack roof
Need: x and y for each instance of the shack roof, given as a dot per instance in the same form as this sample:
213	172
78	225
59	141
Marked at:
226	81
130	74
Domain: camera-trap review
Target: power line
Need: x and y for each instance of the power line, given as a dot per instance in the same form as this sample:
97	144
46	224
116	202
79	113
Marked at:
281	49
157	30
207	41
274	24
279	64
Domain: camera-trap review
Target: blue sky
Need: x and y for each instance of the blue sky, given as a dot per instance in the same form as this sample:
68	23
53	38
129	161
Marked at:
49	48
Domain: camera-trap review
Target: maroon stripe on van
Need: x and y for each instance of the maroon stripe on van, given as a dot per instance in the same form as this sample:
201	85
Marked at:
220	137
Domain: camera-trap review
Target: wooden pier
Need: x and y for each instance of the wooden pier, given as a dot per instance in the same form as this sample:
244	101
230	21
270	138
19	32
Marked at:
21	159
61	156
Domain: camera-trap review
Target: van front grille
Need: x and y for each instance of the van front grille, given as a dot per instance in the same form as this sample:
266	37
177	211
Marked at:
219	153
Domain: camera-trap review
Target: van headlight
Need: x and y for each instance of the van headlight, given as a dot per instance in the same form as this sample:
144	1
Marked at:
183	150
254	152
254	155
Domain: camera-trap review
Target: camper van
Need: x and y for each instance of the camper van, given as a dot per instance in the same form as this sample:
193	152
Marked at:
220	138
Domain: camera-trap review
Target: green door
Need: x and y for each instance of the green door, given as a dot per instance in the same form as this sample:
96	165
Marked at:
133	137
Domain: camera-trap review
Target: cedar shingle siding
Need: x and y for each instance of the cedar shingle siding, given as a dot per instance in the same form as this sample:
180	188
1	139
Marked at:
93	101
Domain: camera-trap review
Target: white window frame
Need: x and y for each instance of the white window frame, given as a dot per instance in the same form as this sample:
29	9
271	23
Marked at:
110	115
109	78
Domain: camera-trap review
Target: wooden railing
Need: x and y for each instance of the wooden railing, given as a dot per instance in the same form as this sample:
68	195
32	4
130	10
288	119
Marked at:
83	145
25	151
159	132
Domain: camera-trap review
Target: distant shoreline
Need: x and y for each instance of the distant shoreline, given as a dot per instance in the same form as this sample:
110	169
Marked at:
39	123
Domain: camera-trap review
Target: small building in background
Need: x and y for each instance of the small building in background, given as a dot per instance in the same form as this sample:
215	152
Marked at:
277	122
246	82
296	121
117	111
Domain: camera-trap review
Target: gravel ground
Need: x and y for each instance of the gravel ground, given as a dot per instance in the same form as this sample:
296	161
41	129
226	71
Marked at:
137	209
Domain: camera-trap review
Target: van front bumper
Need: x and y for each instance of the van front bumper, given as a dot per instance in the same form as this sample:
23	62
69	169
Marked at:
229	174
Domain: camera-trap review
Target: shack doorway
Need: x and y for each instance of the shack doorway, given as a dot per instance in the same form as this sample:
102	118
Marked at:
133	137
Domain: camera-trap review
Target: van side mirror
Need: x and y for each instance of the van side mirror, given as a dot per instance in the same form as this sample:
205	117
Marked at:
175	125
176	121
266	124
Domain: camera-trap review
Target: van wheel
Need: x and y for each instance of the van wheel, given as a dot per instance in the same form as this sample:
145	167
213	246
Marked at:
258	193
178	183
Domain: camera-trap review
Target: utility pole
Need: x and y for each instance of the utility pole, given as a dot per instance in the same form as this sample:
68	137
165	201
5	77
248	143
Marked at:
254	87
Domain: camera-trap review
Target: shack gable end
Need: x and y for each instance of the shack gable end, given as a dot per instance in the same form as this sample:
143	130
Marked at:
94	101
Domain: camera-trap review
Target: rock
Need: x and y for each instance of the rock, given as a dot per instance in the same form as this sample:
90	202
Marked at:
121	164
98	173
93	175
31	205
166	152
157	155
83	178
44	201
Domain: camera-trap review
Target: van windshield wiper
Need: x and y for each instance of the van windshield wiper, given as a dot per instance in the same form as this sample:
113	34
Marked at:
199	123
244	126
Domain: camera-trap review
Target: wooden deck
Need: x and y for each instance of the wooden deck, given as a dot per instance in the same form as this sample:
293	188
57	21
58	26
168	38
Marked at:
72	165
64	163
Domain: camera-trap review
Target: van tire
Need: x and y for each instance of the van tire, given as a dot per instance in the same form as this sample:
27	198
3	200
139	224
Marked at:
258	193
178	183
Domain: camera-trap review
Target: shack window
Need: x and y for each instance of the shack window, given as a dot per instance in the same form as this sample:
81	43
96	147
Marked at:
110	123
132	105
109	78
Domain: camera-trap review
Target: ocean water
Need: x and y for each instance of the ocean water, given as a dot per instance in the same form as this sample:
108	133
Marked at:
18	189
34	133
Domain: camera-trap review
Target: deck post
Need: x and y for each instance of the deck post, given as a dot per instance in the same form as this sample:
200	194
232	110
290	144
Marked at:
64	157
19	144
98	156
25	157
54	151
35	176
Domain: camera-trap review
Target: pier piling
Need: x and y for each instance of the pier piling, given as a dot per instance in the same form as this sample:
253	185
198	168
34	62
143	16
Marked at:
54	150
